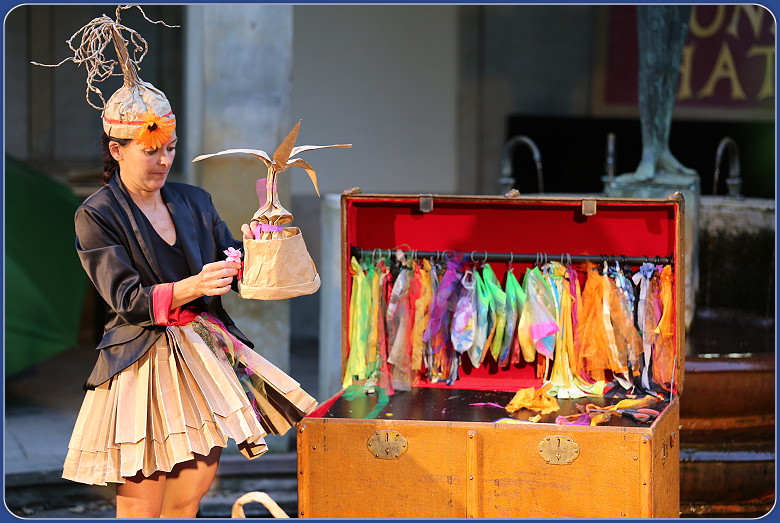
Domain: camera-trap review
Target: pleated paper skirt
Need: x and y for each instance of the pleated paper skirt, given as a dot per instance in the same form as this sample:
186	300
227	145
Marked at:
192	391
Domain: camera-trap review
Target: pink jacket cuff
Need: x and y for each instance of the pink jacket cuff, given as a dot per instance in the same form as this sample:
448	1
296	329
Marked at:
162	297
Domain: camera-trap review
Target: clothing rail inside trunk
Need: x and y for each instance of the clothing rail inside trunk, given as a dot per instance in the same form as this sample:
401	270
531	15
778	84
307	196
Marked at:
538	257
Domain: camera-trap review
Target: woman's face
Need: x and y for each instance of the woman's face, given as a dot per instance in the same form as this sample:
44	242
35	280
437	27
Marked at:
143	169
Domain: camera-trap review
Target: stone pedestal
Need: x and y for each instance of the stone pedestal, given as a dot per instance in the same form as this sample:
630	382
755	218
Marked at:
735	234
661	186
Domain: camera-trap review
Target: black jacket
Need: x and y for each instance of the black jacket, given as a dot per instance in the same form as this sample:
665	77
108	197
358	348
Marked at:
116	254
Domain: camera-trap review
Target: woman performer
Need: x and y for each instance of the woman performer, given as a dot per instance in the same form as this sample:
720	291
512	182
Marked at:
175	378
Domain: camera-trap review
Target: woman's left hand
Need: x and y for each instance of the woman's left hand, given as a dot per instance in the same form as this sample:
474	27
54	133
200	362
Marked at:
248	235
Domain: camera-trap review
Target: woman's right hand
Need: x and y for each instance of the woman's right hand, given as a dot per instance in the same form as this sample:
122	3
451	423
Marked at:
212	280
215	278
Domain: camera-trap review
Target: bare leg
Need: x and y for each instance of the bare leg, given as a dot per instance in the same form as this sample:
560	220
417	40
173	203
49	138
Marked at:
187	483
140	497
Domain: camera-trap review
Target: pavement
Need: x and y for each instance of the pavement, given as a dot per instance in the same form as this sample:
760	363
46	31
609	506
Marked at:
41	407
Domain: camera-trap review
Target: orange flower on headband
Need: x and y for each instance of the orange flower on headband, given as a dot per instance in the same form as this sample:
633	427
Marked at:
155	131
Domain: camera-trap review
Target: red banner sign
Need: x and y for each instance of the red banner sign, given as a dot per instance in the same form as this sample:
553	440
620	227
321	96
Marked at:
727	63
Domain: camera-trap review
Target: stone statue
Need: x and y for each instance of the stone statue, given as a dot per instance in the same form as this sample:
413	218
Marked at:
661	32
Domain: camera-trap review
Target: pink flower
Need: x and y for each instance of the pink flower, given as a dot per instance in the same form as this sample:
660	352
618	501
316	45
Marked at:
233	255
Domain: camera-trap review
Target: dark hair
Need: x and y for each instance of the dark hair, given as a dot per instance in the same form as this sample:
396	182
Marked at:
110	166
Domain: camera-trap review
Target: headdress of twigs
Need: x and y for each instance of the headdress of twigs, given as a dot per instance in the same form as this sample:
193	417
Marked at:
137	110
95	37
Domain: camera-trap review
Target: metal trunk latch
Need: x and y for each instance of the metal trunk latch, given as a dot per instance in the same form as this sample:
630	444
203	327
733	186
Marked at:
588	207
426	203
558	450
387	444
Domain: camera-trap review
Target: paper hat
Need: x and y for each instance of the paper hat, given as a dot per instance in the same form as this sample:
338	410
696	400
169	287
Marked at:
137	110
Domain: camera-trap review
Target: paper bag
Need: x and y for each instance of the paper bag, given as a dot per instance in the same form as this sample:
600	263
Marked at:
278	268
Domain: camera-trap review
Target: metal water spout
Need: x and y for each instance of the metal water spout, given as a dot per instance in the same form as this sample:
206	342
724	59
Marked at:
507	180
734	180
609	159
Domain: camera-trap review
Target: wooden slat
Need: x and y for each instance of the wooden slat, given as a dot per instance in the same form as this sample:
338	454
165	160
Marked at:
304	470
665	463
679	288
645	476
473	497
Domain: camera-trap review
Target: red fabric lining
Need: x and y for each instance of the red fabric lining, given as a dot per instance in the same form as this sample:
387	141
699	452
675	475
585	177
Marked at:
489	376
619	228
495	227
486	383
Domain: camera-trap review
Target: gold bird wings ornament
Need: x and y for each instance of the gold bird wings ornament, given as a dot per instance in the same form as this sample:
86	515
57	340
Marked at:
277	264
272	212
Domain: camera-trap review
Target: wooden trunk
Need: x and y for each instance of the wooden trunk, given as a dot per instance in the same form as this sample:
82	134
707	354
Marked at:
426	453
